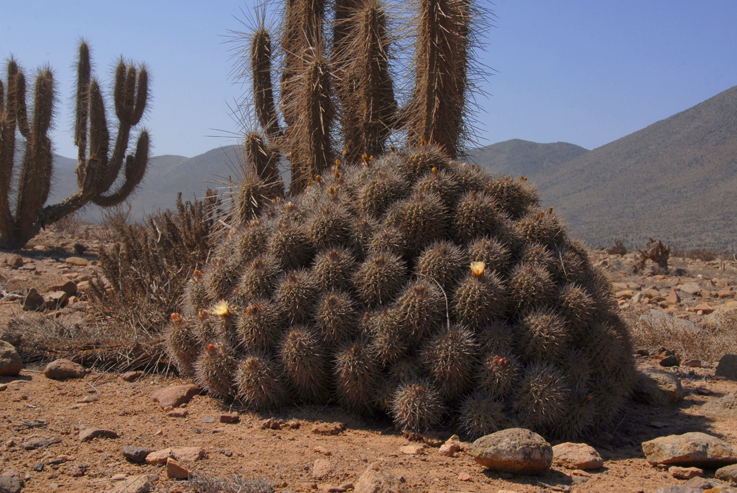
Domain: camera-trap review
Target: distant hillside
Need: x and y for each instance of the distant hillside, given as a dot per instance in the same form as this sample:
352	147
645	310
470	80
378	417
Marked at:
167	175
522	158
675	180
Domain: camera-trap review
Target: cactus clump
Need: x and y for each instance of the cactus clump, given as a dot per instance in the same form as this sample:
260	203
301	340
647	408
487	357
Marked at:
435	317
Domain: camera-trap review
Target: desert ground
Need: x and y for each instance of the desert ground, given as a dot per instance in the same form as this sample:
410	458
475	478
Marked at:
312	448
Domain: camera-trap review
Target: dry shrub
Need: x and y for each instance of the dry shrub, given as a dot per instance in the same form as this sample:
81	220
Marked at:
697	254
618	248
39	339
708	343
146	270
202	483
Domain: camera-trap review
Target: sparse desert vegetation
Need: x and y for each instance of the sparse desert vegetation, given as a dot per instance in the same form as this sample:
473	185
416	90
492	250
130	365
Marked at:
357	324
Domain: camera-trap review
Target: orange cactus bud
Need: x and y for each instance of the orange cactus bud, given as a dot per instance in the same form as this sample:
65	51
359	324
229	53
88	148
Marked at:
176	318
210	347
434	170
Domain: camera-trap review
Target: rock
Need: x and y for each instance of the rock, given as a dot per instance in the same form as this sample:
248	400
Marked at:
178	413
56	300
270	424
34	302
375	480
724	407
10	484
321	469
451	446
689	449
10	361
413	449
677	489
84	287
61	369
658	387
685	472
175	471
464	476
691	363
328	428
131	376
136	454
728	473
175	396
188	454
41	442
230	418
91	433
577	456
671	360
722	314
139	484
77	261
691	288
514	450
69	287
3	387
14	261
656	318
704	308
673	298
158	458
727	367
322	450
699	483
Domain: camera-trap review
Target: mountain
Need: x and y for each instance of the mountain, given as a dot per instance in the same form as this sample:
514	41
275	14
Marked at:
522	158
166	176
675	180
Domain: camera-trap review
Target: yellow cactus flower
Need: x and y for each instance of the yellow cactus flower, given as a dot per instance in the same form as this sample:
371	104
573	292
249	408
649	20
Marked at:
222	309
478	268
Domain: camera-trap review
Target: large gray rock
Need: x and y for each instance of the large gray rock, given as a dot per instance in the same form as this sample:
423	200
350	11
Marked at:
513	450
10	362
724	407
374	480
727	367
658	387
691	449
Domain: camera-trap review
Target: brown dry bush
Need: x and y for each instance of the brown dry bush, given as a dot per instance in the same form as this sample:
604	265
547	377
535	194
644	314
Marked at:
203	483
708	343
144	273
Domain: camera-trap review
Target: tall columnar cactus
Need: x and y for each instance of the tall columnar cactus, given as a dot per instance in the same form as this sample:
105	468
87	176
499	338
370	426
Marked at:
352	82
441	70
97	168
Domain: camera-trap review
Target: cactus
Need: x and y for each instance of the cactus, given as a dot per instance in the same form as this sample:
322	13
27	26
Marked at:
487	331
350	83
258	382
96	172
417	406
481	414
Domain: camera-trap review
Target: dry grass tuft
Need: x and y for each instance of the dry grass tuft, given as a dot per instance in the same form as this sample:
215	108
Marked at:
202	483
707	343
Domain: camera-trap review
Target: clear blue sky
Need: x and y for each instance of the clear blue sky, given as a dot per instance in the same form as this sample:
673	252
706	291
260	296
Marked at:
585	72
